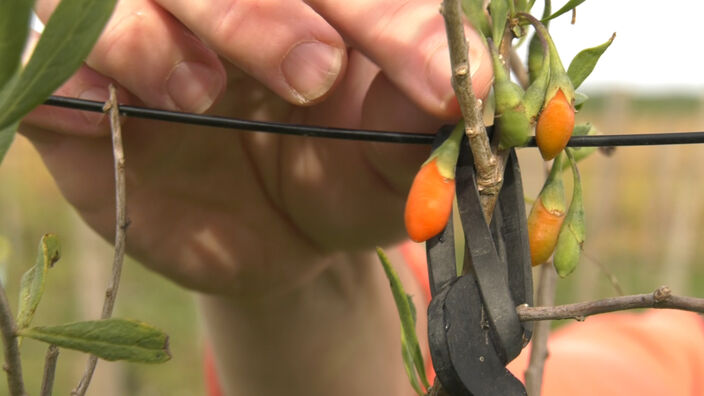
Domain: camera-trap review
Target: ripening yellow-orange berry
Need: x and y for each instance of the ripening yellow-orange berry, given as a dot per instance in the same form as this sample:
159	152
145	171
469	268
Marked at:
555	125
543	229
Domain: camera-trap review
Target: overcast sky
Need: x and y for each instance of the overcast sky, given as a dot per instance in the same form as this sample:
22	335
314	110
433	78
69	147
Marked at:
657	47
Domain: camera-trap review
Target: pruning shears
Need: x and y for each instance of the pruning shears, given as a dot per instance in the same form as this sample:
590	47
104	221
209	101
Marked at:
473	327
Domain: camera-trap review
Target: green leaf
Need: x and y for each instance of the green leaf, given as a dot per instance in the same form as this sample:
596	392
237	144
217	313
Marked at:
108	339
14	30
474	10
413	308
408	365
572	233
580	98
405	312
7	135
33	281
567	7
499	17
68	37
584	62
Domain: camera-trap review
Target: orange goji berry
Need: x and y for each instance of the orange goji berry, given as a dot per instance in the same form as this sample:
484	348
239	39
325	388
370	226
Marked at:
543	229
555	125
429	203
547	215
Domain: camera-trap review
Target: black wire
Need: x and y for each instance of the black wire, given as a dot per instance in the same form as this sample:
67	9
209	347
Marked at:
248	125
653	139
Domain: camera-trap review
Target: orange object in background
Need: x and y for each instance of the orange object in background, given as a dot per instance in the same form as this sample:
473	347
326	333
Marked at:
659	352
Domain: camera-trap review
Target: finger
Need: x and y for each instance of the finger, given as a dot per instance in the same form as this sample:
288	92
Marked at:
86	84
407	39
389	109
367	183
283	44
152	55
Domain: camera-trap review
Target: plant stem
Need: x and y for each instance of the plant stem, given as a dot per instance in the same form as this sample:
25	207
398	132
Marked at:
489	173
489	178
541	330
13	364
121	224
52	355
661	298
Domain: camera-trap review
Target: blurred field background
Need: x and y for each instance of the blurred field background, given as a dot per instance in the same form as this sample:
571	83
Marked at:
645	219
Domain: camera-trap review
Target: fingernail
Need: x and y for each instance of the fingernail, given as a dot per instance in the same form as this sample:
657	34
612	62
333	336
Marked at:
311	68
440	74
194	86
97	94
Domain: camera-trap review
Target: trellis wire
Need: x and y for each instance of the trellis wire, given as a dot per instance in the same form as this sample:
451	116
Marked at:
647	139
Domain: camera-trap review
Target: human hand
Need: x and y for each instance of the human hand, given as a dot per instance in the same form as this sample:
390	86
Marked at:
232	212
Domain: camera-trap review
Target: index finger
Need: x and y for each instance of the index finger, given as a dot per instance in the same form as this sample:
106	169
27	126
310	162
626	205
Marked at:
407	39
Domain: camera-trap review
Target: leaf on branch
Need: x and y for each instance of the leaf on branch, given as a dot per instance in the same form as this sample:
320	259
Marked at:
68	37
499	17
33	281
7	135
584	62
406	311
408	364
14	29
580	98
109	339
476	14
566	8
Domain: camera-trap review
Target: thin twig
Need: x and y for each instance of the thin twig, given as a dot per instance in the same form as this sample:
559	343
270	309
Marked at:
52	355
487	165
662	297
13	364
121	224
609	275
541	330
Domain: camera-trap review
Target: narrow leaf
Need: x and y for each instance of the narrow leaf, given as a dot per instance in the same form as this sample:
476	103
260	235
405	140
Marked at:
14	29
584	62
475	12
68	37
580	98
109	339
566	8
499	16
405	312
408	365
413	309
7	135
32	285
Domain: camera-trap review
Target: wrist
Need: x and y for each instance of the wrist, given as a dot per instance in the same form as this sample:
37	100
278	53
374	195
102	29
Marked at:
338	331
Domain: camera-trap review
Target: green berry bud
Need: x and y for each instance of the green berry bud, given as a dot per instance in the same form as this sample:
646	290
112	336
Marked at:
571	238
